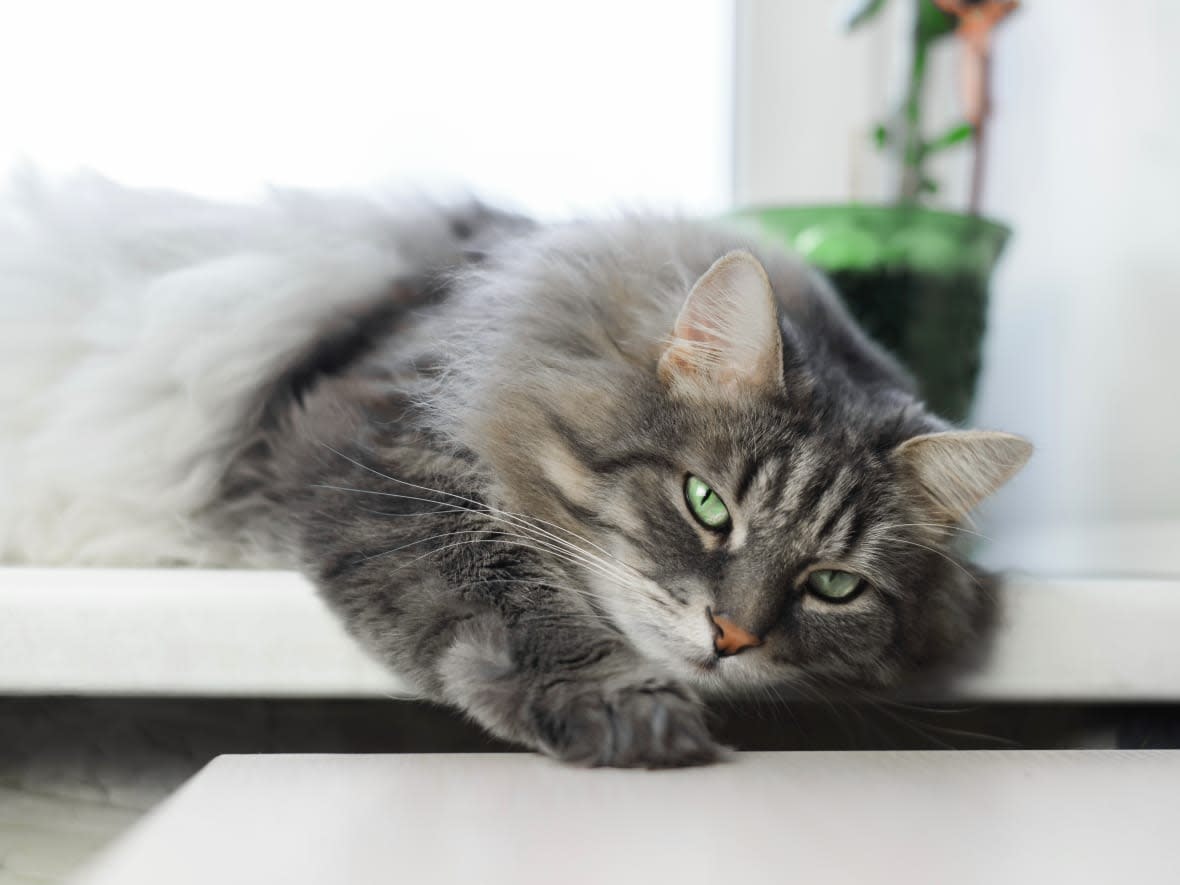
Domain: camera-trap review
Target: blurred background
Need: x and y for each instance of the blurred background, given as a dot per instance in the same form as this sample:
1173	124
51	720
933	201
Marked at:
554	107
702	106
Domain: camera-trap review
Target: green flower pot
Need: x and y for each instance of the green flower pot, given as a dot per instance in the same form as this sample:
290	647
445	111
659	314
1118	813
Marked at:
915	279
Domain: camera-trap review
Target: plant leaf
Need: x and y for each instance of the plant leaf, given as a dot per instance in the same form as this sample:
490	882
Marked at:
861	11
880	136
929	186
950	138
933	23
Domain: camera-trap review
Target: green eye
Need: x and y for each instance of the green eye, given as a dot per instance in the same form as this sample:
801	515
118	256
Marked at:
834	586
705	506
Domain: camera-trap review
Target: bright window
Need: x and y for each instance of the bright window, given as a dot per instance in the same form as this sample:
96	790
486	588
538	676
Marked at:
555	106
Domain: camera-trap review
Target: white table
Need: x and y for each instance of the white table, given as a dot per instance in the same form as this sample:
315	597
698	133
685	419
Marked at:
826	818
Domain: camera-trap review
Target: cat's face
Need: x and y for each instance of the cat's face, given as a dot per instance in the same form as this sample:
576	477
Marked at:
801	536
747	527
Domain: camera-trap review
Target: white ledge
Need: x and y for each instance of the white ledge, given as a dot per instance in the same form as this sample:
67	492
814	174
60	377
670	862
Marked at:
993	816
267	634
177	632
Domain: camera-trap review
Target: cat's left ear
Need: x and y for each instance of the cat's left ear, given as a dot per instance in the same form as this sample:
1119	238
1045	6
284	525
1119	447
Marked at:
955	470
727	335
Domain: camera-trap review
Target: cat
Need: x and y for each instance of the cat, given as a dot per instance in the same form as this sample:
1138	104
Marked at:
571	479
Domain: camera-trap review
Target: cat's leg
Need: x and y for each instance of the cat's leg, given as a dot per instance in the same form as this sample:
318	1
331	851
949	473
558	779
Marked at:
532	667
484	621
578	693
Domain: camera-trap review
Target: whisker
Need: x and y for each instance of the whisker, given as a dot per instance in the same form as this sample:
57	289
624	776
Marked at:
584	592
445	547
484	509
484	532
583	558
610	569
936	525
882	703
943	554
479	504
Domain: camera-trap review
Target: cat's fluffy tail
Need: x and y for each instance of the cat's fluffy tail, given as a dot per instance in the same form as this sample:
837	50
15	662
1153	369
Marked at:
136	329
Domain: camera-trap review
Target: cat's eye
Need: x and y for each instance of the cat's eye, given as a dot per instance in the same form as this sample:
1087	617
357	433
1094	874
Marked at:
835	586
705	505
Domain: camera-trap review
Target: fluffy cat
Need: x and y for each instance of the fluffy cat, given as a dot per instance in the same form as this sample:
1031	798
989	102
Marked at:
568	479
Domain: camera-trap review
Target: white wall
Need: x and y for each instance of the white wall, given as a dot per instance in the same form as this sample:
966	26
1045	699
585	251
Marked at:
556	106
1086	163
580	106
1083	354
805	99
809	94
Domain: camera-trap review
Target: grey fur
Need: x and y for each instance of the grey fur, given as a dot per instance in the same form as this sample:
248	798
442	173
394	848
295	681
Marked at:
486	487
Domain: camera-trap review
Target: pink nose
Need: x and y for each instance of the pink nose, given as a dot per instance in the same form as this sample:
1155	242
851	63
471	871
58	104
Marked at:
731	638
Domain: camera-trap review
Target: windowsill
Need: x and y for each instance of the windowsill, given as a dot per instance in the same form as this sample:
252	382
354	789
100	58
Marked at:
1071	636
176	632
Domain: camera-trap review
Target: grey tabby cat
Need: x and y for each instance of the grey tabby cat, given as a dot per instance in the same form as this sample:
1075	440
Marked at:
587	474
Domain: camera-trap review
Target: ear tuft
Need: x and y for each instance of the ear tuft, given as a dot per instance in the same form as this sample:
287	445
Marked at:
957	469
727	333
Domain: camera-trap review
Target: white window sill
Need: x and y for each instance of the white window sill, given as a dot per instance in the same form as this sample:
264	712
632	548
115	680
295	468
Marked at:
243	633
176	632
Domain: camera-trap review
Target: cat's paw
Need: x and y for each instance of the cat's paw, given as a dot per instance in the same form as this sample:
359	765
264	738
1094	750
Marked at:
653	723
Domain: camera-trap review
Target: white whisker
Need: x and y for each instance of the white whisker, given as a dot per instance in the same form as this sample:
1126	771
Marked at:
610	568
573	552
935	550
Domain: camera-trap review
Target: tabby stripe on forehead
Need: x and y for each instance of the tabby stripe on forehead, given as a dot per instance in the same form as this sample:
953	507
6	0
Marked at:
631	460
613	463
836	519
804	491
839	486
753	468
782	482
575	509
856	529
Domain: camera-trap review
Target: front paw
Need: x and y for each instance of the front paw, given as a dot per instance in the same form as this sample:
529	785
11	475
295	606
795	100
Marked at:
644	723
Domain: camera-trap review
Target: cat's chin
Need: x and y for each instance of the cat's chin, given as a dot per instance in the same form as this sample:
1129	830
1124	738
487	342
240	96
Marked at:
735	677
710	674
700	667
696	664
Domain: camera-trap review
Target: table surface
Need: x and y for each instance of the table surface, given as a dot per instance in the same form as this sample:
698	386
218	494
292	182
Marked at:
913	817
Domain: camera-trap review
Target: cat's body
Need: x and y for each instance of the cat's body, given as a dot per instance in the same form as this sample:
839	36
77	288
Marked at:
489	443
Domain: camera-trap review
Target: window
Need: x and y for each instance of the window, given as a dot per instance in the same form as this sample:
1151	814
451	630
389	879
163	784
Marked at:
555	106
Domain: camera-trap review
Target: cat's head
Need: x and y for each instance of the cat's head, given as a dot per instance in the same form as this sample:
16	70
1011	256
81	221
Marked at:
748	514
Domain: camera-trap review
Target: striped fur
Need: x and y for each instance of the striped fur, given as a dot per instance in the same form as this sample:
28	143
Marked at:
492	498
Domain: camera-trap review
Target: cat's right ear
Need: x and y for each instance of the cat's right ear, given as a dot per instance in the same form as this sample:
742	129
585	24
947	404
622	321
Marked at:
727	334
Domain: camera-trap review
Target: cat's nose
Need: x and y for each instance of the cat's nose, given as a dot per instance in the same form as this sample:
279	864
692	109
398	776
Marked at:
730	638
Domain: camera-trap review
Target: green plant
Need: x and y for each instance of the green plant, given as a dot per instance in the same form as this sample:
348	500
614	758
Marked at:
916	279
902	134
